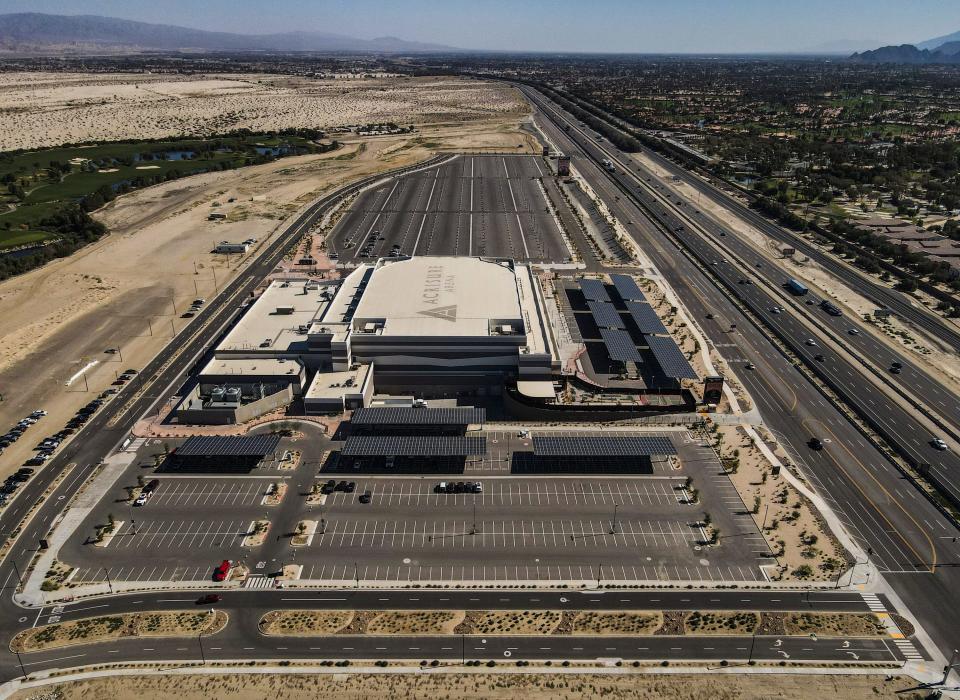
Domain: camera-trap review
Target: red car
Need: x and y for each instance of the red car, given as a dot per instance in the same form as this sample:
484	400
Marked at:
209	599
220	573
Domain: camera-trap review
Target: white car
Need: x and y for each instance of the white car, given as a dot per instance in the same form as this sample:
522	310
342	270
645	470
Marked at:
853	331
811	342
142	499
938	444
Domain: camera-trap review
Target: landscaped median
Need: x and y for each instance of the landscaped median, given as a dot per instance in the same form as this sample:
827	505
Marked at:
89	630
309	623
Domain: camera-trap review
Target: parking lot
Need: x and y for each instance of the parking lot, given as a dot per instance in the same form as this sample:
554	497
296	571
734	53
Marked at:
559	526
472	205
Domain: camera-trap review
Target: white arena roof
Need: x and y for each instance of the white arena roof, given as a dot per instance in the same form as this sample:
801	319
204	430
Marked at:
441	296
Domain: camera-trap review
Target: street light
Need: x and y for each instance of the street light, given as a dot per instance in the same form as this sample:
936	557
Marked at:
613	523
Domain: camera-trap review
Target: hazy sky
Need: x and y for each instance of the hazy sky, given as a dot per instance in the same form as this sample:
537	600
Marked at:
554	25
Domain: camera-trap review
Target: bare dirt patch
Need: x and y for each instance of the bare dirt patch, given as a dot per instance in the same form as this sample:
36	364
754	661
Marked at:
639	623
736	622
305	622
472	686
516	622
834	624
101	629
415	622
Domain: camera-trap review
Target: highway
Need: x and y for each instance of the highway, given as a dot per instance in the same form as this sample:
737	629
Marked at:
905	534
880	294
897	424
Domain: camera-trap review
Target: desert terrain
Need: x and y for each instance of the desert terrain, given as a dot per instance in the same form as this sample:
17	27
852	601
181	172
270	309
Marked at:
463	686
49	109
127	290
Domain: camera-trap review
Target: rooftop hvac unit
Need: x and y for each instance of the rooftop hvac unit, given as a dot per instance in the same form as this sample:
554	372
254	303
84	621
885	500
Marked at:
232	393
217	393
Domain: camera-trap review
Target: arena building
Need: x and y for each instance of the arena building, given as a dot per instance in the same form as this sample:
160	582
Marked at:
428	327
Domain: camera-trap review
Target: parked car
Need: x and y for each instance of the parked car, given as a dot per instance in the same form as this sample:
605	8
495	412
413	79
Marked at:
151	486
365	497
222	571
142	499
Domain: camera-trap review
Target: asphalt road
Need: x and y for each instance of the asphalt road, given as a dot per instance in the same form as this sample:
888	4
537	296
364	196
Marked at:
242	639
907	537
880	294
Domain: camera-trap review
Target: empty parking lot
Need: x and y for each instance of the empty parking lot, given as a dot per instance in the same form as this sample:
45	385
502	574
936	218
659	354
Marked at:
472	205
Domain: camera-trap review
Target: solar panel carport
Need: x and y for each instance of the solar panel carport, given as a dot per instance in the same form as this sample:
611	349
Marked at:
227	446
627	288
395	416
620	345
223	453
605	315
603	446
413	446
594	290
672	362
646	318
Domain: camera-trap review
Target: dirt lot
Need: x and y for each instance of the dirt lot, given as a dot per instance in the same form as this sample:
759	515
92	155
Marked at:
129	289
49	109
464	687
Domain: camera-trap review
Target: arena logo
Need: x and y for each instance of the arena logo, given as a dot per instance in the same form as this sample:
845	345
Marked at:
447	313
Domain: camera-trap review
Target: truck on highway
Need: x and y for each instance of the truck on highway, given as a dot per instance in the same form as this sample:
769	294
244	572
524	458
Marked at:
830	308
796	288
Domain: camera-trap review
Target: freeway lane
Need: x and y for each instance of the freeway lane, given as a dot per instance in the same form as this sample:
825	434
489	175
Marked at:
901	304
913	381
903	532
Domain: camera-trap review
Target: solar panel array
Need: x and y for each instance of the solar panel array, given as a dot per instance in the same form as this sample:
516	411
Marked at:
226	446
669	357
413	446
627	288
646	318
594	290
620	345
398	415
603	446
605	315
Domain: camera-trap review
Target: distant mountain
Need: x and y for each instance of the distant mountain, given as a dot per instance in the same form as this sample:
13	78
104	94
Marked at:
934	44
910	54
35	32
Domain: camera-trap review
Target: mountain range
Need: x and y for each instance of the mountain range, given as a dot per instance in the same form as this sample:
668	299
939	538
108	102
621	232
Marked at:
910	54
33	32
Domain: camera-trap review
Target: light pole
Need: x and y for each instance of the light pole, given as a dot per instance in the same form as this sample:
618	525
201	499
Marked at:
109	582
613	523
946	669
20	661
203	659
473	528
356	574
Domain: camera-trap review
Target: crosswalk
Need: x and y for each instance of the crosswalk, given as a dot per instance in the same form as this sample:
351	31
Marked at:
904	646
908	650
258	581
